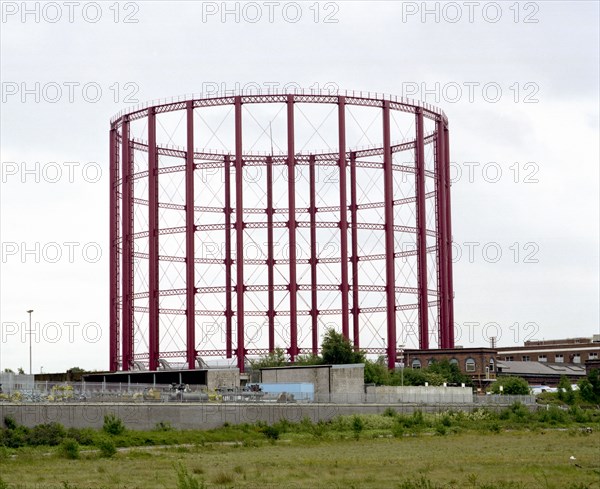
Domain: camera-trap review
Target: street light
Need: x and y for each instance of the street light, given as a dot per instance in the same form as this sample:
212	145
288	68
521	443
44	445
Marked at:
401	358
30	369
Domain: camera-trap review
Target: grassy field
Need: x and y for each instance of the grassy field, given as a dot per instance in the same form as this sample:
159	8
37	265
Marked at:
371	459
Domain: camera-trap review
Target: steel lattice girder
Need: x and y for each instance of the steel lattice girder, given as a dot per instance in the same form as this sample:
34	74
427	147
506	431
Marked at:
234	229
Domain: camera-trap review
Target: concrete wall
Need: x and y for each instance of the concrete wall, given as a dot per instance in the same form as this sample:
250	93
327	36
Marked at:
420	394
144	416
336	383
227	377
347	379
318	375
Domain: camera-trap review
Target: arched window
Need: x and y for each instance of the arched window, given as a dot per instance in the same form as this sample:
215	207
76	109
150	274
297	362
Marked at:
416	363
470	365
430	362
492	365
453	361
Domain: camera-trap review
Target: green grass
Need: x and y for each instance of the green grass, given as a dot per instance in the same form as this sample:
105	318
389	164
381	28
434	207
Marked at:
512	449
507	460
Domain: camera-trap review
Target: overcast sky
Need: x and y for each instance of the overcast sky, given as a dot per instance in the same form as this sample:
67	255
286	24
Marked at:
518	81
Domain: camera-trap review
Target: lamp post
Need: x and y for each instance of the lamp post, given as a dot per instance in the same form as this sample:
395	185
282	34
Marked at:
401	358
30	369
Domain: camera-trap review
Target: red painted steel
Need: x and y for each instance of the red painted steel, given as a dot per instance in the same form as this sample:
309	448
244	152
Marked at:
114	254
314	312
390	270
127	223
421	235
153	245
190	229
376	287
355	284
441	237
239	234
293	349
270	256
450	326
344	287
228	260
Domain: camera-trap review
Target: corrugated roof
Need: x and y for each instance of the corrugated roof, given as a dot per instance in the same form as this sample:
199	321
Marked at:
540	368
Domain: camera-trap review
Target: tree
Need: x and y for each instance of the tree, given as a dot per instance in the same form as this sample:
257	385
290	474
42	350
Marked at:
512	386
336	350
377	372
565	391
9	371
20	371
308	360
589	387
594	378
412	376
449	371
276	358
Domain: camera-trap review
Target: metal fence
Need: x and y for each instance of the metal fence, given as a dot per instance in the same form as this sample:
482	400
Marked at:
81	392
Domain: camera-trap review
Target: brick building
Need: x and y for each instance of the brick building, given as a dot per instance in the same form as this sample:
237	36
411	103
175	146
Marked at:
563	356
570	350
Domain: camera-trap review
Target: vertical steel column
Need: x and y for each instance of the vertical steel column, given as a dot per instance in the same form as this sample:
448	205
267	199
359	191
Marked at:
440	167
450	286
421	233
353	217
228	261
114	253
190	229
344	287
314	312
127	223
390	270
153	237
293	351
239	233
270	256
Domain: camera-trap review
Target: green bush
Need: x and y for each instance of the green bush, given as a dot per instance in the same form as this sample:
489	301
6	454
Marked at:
185	480
113	425
377	372
163	426
553	415
271	432
10	423
69	448
511	386
391	412
46	434
106	446
357	426
83	436
565	391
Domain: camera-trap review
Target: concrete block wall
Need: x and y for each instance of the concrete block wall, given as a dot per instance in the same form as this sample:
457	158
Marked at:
420	394
316	375
227	377
347	379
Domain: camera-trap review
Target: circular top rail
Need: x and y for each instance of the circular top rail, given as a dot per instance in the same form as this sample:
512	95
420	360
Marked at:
353	97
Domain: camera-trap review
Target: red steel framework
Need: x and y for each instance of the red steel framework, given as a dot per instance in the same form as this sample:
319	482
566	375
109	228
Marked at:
136	313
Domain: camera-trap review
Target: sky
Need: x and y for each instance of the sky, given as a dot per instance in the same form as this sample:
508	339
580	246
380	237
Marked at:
517	80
